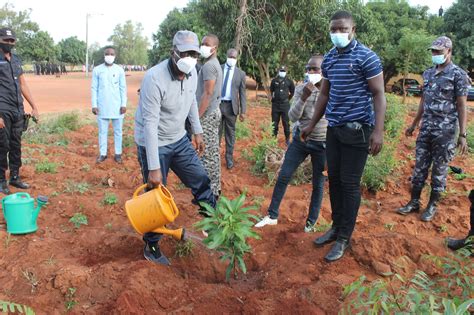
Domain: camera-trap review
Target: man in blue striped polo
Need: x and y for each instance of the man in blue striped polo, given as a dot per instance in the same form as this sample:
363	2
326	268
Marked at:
352	98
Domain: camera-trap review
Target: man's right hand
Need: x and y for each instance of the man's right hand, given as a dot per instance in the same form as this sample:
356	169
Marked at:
154	178
307	91
304	133
2	123
409	131
95	111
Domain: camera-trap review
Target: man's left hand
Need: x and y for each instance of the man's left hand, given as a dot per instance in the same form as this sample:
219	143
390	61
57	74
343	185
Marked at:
123	110
242	117
462	145
375	142
199	143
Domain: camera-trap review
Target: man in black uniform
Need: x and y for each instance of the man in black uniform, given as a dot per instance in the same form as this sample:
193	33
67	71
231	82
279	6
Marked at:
282	90
12	87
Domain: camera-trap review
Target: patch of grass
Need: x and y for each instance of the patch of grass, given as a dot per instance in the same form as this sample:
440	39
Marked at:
448	291
74	187
108	226
461	176
78	219
470	136
260	151
128	141
322	225
9	240
242	130
258	201
51	130
380	167
50	261
184	248
110	199
70	300
46	167
443	228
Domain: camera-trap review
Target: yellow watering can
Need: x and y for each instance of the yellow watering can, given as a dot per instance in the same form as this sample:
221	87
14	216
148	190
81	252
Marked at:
151	211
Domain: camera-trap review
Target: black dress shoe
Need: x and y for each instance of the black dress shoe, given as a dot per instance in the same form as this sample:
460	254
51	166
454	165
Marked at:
101	158
337	250
15	181
455	244
118	158
4	187
230	165
328	237
412	206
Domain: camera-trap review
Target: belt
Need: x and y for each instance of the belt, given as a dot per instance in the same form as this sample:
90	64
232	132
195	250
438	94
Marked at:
226	101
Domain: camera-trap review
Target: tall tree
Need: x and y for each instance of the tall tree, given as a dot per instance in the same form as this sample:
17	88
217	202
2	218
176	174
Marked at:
458	22
72	51
20	22
130	44
39	46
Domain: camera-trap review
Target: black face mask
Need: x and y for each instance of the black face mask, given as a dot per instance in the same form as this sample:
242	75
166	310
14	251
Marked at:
6	48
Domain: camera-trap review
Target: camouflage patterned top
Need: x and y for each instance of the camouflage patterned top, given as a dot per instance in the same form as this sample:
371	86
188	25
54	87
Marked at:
440	90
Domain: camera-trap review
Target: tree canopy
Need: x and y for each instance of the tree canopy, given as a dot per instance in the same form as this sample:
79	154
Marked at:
72	50
130	44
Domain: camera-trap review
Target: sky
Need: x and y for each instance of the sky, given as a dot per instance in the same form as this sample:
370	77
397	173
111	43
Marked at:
65	18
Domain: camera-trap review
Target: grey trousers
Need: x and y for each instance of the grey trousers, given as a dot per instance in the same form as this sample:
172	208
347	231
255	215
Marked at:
227	127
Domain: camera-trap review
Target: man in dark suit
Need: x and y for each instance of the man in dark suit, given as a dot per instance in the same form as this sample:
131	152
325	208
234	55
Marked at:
233	103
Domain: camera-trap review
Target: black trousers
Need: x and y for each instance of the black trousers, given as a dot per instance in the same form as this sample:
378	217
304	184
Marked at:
346	155
10	143
280	112
227	127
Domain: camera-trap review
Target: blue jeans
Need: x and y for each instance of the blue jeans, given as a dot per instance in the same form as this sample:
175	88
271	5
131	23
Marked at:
295	155
182	159
103	134
347	151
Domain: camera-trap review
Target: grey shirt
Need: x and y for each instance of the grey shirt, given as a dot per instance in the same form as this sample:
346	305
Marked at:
302	112
211	70
164	104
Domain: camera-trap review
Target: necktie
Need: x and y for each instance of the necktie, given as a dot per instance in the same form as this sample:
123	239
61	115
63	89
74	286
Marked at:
224	86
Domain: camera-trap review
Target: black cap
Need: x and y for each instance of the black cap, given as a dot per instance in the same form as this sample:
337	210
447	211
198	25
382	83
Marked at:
282	68
7	33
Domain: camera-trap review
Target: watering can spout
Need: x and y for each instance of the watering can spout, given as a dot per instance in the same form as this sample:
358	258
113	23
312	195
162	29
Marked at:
41	201
178	234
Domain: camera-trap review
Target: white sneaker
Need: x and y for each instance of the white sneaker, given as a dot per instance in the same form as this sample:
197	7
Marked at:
266	221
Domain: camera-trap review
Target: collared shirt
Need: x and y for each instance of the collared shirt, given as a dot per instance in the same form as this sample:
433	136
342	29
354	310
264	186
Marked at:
350	99
228	89
109	90
440	92
211	70
10	90
281	89
165	102
301	114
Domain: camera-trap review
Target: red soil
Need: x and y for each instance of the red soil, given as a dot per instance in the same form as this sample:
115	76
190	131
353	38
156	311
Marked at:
103	261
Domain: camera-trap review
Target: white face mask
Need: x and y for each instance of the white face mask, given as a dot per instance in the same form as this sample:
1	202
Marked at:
231	62
282	74
205	51
186	64
314	77
109	59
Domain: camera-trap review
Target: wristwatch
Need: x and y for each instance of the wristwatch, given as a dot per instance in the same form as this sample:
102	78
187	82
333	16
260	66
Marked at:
463	135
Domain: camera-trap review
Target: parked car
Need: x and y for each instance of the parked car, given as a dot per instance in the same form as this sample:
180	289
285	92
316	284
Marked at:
470	94
412	87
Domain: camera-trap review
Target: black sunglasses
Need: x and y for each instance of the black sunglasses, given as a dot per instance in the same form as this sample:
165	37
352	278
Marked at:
190	53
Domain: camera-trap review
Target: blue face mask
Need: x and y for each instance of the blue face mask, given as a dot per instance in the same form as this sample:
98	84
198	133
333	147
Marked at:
340	40
438	59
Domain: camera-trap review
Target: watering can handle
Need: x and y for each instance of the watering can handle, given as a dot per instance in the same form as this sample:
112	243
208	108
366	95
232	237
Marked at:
139	189
23	195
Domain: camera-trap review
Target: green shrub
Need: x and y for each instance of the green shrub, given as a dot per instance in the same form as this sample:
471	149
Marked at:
449	292
78	219
261	150
242	130
379	167
46	167
184	248
73	187
470	136
228	227
110	199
